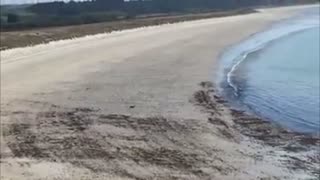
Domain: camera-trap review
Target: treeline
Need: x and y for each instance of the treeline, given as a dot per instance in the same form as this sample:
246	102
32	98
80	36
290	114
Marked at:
147	6
68	13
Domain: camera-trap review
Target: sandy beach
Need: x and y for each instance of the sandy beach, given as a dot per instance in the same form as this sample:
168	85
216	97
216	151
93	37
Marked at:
141	104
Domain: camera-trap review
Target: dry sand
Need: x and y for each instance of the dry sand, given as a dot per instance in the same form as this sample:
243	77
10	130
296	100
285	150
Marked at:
131	105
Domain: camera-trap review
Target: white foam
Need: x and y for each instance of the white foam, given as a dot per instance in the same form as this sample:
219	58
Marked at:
237	54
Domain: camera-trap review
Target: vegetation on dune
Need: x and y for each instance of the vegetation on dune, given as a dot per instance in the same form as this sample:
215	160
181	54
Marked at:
71	13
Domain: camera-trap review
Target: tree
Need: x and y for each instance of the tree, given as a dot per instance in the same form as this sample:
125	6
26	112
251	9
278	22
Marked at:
12	18
109	4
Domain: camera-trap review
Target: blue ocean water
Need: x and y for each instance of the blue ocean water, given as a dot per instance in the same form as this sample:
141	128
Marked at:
276	74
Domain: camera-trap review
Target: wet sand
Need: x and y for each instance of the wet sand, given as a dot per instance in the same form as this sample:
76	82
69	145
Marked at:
140	104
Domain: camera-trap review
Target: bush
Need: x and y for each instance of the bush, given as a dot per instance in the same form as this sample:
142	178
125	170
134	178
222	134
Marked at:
12	18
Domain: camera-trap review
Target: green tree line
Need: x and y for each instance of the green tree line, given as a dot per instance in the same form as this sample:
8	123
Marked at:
72	12
146	6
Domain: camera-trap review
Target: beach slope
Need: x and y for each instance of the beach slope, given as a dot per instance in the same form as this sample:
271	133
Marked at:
136	104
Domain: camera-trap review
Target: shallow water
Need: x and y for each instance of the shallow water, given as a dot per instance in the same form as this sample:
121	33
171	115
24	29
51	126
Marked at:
281	81
275	74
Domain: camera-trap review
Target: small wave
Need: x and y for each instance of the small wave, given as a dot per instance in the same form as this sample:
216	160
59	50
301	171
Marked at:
230	74
258	42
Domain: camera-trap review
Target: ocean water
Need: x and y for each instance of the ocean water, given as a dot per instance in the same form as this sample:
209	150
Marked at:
276	74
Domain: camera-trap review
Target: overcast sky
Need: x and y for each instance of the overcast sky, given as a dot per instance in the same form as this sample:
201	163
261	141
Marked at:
24	1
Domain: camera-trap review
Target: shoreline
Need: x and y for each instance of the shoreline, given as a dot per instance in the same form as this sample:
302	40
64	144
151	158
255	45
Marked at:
251	125
242	54
85	109
228	89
